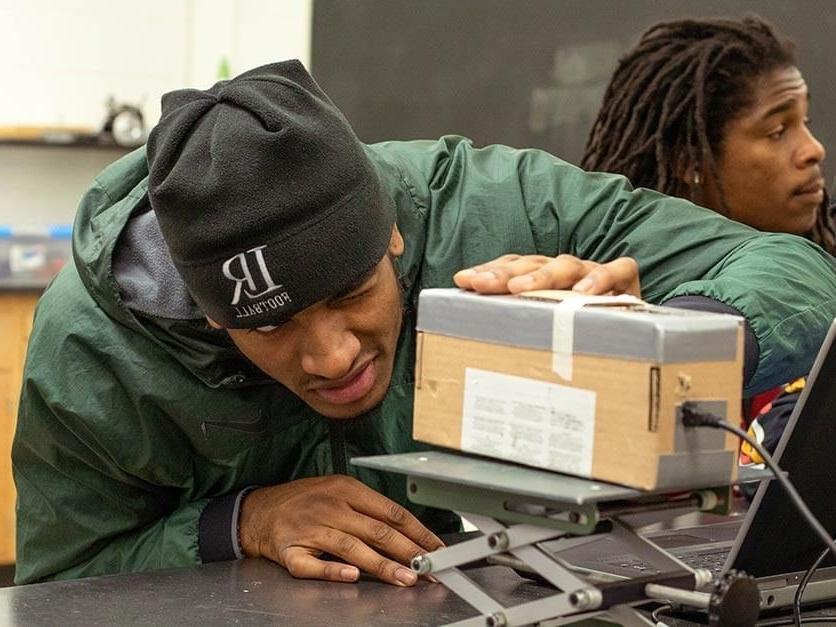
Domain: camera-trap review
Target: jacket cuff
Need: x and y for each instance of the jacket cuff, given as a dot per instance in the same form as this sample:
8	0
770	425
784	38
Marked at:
217	531
751	350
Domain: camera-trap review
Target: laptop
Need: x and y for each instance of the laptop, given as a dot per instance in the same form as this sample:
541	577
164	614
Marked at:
772	542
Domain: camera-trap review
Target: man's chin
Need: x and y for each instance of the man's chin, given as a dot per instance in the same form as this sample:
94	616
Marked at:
803	226
348	410
803	218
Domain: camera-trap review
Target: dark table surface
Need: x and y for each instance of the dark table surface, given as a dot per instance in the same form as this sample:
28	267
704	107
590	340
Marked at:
249	592
252	592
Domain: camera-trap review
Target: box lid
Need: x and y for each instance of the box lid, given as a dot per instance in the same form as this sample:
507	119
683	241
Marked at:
569	323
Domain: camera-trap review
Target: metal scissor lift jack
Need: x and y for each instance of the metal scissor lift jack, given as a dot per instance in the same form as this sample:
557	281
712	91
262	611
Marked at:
518	508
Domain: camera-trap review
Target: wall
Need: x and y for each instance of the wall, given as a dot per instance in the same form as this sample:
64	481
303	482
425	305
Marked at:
528	73
63	58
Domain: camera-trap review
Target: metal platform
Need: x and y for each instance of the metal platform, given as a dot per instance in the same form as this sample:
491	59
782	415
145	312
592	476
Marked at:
517	508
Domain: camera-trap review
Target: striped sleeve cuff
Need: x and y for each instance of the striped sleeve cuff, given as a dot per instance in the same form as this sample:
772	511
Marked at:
217	532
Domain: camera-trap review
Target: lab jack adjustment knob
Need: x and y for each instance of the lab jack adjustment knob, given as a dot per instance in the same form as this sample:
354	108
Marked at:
735	601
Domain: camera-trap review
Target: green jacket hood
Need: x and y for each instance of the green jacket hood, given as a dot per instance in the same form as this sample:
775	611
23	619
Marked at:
102	214
116	196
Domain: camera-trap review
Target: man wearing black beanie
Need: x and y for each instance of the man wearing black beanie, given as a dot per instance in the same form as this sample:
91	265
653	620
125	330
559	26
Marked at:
241	307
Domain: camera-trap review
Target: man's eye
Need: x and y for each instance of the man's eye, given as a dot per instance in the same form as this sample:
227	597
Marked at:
267	329
777	133
353	296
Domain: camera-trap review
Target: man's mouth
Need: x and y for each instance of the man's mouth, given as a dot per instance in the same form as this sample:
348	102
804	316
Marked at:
350	388
814	189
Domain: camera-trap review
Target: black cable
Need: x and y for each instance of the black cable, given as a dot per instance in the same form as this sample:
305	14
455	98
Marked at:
802	586
693	418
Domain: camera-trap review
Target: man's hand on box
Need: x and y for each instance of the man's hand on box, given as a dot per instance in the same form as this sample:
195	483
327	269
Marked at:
295	523
522	273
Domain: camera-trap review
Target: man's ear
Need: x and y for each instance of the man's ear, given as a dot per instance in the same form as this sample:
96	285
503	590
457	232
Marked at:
396	243
212	323
688	172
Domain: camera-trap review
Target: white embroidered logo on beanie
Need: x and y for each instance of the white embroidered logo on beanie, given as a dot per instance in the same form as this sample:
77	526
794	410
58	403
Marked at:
252	286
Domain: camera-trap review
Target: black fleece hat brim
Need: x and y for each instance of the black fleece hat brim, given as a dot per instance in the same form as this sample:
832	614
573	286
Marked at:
327	257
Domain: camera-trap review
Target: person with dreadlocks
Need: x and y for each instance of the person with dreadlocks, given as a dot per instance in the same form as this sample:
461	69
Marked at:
715	111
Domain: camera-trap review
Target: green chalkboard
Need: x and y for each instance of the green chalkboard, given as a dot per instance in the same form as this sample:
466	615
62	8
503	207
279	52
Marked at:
519	72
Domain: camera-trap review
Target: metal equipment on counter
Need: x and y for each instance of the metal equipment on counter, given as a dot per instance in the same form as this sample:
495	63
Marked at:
517	508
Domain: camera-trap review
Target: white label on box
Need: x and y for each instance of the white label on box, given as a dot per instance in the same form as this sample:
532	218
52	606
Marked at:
529	421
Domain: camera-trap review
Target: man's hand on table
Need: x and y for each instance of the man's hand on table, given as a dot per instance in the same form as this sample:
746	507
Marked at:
523	273
294	523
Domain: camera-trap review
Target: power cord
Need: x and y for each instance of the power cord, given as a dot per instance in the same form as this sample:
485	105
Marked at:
693	418
802	586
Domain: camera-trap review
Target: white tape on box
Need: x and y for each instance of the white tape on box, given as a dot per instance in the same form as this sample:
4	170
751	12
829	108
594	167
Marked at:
563	337
563	321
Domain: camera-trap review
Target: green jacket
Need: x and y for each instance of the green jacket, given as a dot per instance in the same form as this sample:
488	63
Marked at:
130	423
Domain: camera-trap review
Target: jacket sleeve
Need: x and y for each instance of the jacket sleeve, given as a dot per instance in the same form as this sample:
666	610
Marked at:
477	204
79	514
104	478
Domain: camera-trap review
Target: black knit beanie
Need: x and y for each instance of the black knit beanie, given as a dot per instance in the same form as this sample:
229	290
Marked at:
264	195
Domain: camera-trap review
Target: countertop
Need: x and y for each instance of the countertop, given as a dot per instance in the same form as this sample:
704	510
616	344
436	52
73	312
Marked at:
248	592
256	592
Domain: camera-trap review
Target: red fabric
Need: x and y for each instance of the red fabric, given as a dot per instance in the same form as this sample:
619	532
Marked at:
760	401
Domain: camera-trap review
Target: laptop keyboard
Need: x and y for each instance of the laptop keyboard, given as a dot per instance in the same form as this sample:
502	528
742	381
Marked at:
710	560
631	562
699	547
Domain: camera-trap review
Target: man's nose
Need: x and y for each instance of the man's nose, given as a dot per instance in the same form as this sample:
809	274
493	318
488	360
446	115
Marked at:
329	347
812	150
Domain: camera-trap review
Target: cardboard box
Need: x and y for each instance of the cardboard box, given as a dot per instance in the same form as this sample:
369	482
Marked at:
585	386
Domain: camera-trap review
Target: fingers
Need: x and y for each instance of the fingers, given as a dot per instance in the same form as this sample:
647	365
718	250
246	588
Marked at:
303	563
391	514
295	523
515	273
560	273
383	537
493	277
620	276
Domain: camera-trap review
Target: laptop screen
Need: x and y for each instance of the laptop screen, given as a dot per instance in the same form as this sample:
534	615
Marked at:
778	540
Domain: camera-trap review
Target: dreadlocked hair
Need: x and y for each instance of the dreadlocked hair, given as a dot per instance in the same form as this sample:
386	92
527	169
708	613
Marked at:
824	230
666	108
